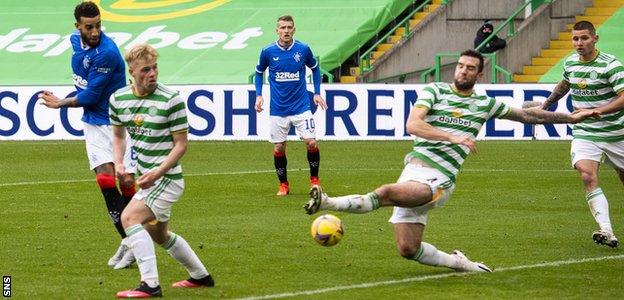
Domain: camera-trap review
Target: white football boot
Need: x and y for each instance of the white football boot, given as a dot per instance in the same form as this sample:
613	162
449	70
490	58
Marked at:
118	255
127	260
602	237
466	265
316	197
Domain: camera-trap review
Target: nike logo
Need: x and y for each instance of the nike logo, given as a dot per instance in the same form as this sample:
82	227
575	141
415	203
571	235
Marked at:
275	58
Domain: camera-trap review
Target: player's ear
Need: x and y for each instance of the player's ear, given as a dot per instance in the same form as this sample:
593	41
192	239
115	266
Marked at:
77	25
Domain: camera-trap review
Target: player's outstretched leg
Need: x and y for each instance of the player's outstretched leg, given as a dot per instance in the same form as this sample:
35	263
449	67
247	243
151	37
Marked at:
351	203
181	251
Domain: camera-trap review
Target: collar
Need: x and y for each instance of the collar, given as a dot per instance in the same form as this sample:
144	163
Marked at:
285	49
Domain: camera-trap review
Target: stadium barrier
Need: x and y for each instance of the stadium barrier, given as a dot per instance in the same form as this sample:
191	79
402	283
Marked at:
226	112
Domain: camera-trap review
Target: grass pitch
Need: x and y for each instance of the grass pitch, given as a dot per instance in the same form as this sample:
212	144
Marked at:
518	207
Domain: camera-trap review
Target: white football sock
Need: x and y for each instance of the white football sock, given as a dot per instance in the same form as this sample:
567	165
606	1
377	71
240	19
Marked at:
599	208
181	251
429	255
141	244
352	203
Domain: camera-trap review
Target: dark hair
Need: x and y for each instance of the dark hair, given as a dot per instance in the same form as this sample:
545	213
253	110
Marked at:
86	9
287	18
585	25
475	54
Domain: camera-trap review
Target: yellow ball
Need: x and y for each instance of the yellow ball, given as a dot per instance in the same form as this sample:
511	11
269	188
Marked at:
327	230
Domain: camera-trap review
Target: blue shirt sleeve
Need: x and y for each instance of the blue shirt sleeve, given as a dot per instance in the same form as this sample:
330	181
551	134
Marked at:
312	63
263	63
99	76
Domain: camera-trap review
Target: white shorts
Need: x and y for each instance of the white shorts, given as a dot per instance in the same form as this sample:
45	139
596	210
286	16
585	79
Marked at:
612	153
303	123
99	142
441	187
161	197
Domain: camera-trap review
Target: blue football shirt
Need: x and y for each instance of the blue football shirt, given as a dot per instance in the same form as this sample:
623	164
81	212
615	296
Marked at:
287	71
98	73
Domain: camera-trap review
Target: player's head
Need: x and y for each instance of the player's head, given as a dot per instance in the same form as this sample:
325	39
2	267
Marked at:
143	67
584	38
88	22
285	29
468	70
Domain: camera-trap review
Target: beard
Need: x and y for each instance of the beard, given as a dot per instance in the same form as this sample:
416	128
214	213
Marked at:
466	86
87	40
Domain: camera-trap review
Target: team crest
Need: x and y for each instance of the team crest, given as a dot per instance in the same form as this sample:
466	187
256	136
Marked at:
593	75
473	107
457	113
297	57
138	120
152	111
582	84
86	62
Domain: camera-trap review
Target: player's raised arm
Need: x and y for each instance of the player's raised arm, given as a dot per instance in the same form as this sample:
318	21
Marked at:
562	88
538	116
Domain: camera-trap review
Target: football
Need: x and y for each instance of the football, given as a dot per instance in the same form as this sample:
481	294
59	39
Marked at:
327	230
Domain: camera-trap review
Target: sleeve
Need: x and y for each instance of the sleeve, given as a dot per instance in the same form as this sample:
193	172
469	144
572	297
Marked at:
312	63
427	97
615	76
565	74
99	76
499	109
263	63
113	112
177	114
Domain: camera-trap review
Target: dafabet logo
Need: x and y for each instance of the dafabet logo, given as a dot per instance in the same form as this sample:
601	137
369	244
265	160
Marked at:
126	11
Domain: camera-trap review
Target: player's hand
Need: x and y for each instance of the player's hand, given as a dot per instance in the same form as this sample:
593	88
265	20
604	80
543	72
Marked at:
464	140
147	180
49	100
318	100
259	102
120	170
582	114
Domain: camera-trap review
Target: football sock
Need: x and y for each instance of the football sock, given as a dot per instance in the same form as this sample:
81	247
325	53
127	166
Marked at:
599	208
428	255
143	249
280	161
114	201
127	192
181	251
352	203
314	159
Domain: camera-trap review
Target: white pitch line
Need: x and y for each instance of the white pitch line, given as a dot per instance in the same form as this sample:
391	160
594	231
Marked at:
290	170
429	277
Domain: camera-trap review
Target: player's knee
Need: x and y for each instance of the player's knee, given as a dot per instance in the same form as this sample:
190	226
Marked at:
279	148
407	250
590	179
312	145
126	181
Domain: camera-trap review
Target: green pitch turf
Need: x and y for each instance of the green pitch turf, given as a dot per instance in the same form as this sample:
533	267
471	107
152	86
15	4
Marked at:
518	207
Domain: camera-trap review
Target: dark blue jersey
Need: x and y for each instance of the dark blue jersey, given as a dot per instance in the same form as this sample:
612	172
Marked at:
98	72
289	94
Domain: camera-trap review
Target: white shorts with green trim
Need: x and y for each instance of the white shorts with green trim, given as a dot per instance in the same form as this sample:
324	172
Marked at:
611	153
303	123
161	197
441	187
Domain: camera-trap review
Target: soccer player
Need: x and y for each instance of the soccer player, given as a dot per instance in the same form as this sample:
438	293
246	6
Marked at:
99	70
155	118
445	119
596	82
290	105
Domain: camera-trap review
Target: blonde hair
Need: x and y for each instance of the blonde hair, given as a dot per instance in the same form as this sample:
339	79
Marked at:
141	52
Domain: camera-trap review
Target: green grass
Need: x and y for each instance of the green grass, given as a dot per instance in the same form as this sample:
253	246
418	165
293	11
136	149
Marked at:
516	204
